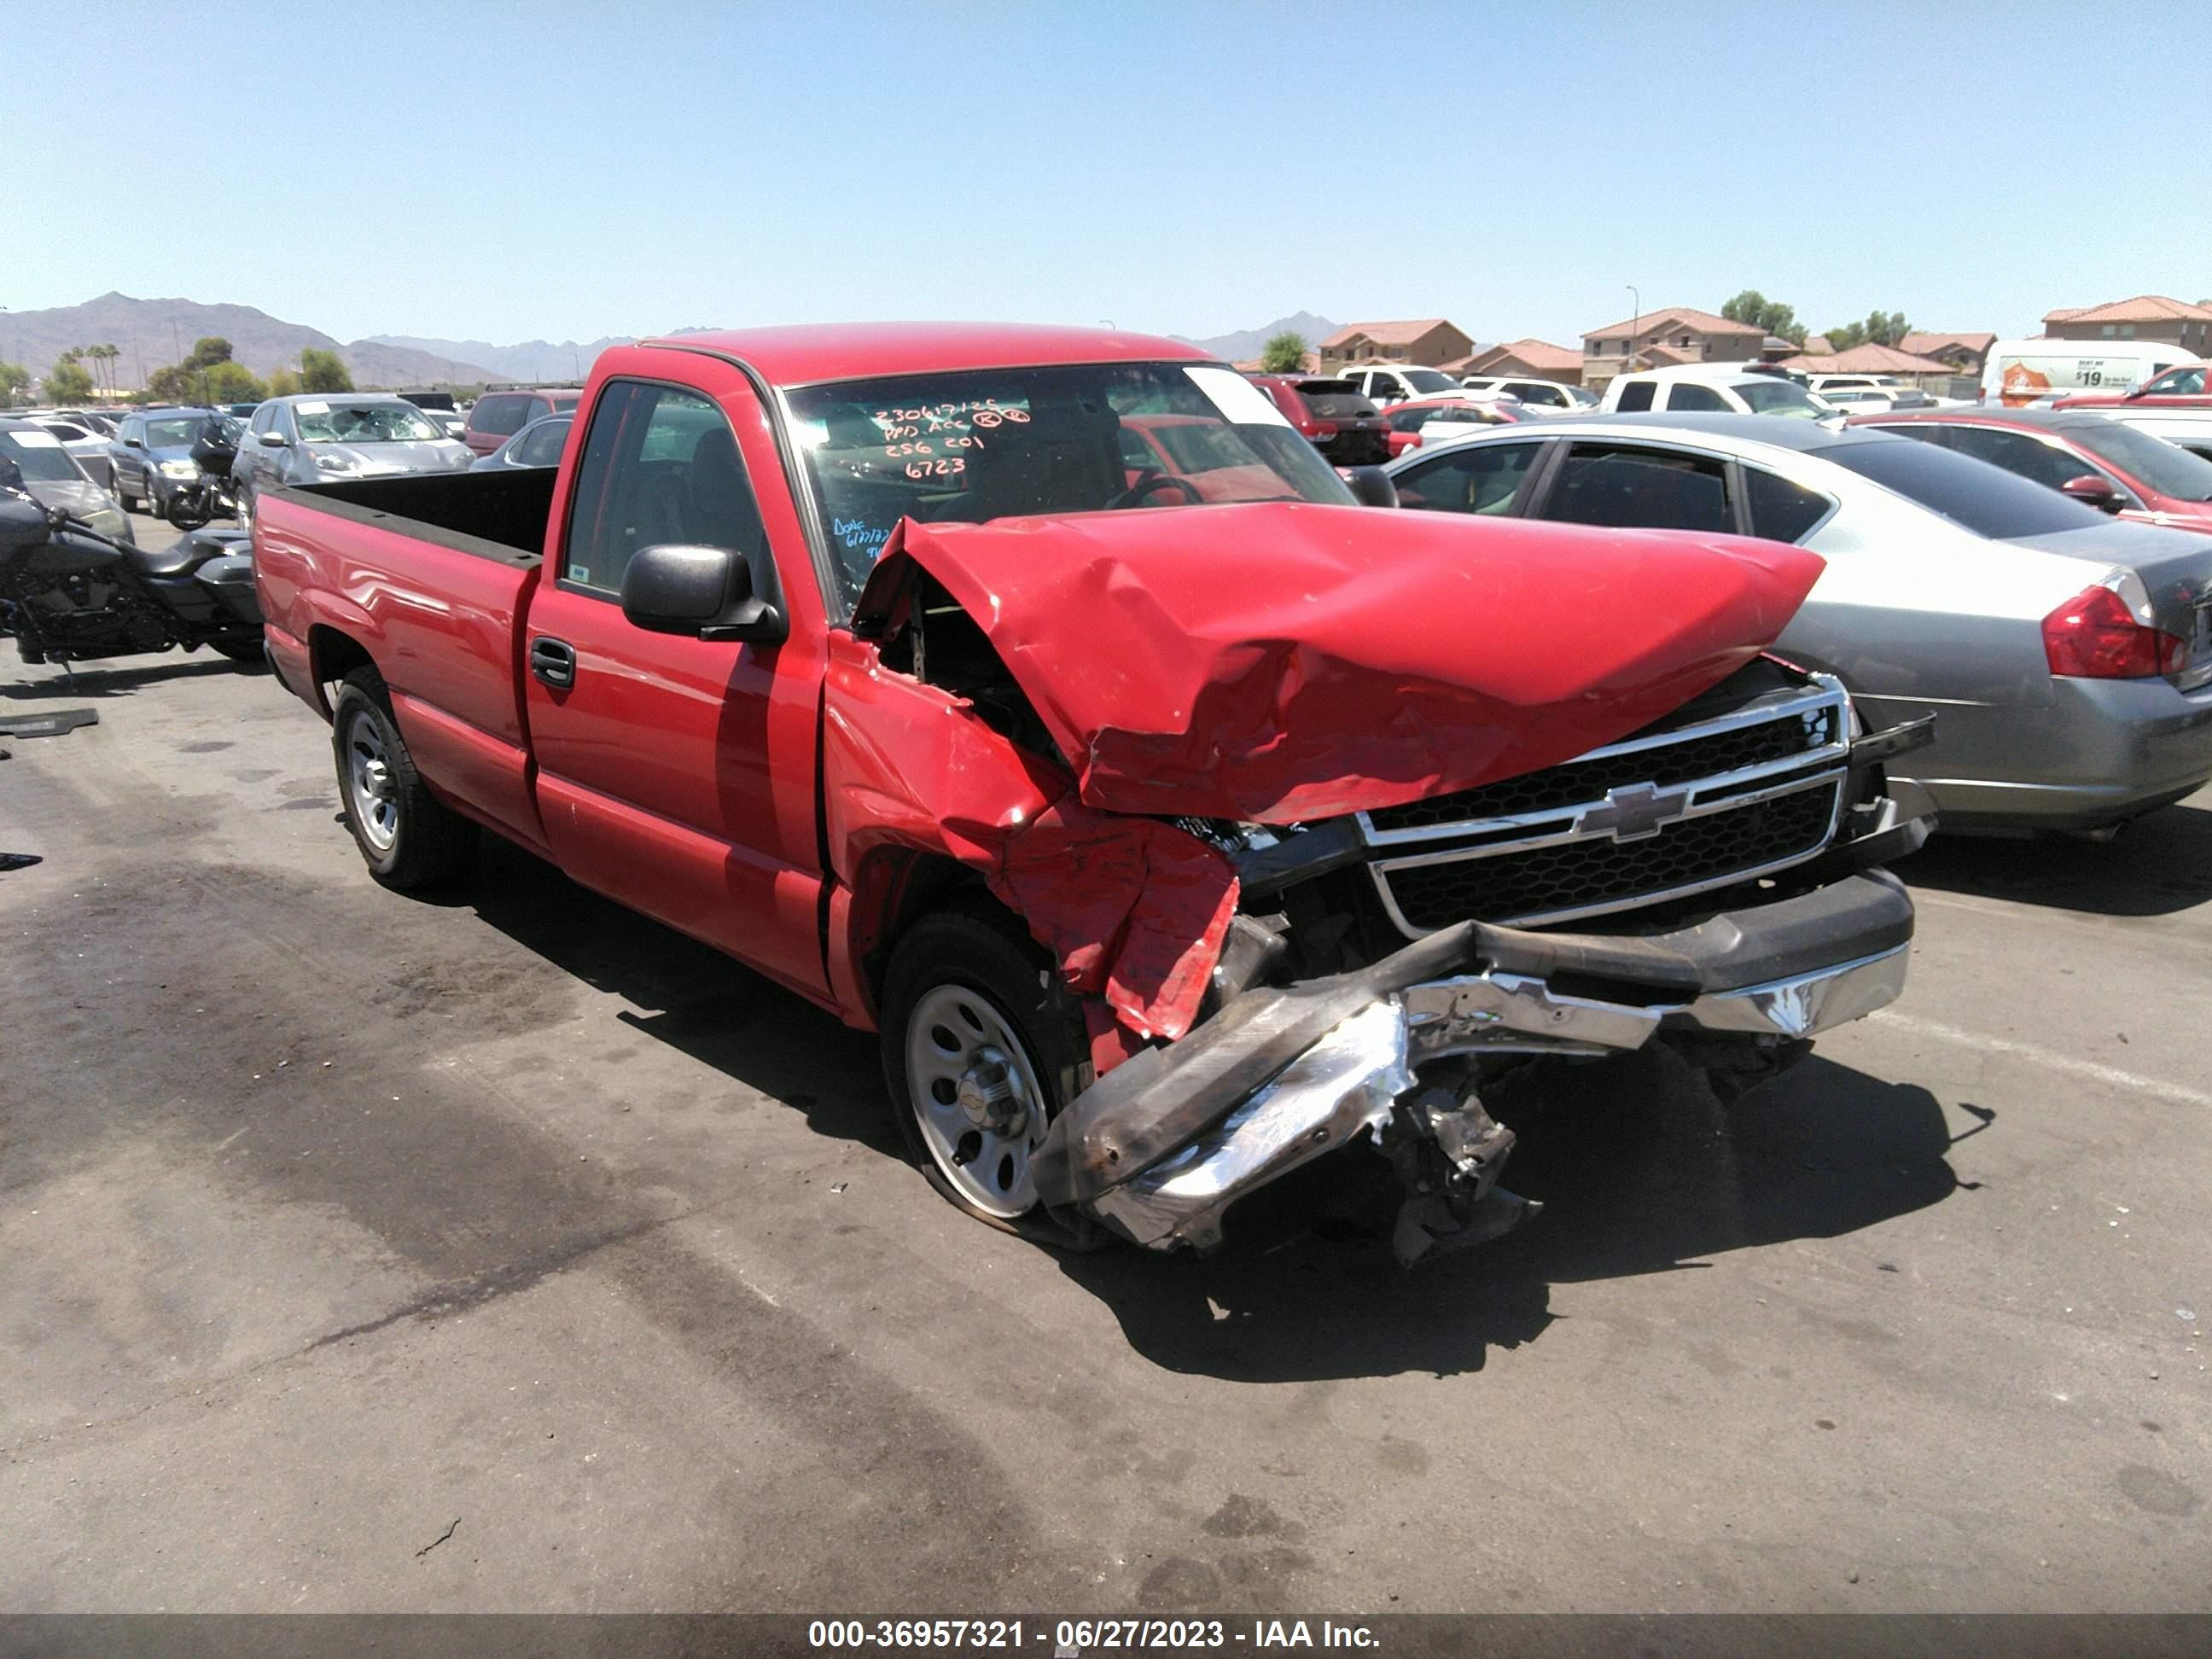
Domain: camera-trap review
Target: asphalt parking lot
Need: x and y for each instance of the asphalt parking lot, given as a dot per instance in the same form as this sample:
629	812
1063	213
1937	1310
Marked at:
511	1252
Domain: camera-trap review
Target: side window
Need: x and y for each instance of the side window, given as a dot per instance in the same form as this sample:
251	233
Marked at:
1635	397
1628	489
133	426
1782	511
262	416
1530	393
2016	453
1480	479
1136	454
503	415
542	446
2179	382
660	465
1689	395
1408	419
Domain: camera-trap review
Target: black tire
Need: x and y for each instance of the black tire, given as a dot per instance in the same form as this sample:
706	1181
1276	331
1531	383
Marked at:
188	513
130	503
976	948
410	840
245	653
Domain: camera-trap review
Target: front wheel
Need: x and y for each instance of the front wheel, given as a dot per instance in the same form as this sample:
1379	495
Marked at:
189	509
982	1048
408	837
243	509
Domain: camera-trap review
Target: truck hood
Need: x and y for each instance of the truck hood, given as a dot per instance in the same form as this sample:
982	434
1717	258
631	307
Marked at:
1277	663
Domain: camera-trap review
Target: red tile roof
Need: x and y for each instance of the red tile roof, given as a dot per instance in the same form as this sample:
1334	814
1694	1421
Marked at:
1540	356
1653	322
1926	345
1398	333
1867	359
2143	308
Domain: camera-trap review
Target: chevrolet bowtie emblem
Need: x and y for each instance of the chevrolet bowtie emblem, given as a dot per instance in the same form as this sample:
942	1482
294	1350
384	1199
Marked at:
1633	812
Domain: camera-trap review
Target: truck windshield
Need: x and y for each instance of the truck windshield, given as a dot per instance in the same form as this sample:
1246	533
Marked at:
988	444
365	423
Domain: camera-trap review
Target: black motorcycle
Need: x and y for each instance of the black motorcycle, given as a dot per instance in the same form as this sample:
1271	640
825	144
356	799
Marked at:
67	593
209	495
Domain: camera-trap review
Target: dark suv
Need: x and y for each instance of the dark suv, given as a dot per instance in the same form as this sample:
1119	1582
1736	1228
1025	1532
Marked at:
1330	415
498	415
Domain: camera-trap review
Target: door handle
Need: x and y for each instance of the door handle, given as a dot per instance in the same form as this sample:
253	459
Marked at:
553	661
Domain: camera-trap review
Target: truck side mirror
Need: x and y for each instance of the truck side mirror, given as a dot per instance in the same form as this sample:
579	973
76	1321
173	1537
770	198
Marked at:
1371	486
704	592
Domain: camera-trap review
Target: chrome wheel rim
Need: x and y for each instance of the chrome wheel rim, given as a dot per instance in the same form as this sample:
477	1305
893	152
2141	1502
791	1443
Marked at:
975	1098
370	795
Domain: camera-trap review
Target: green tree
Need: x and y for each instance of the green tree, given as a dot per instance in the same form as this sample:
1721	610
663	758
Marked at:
209	350
1755	308
14	382
282	383
67	382
323	371
1285	354
232	383
1883	328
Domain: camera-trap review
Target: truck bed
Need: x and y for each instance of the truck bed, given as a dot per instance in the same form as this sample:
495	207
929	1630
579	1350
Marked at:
495	515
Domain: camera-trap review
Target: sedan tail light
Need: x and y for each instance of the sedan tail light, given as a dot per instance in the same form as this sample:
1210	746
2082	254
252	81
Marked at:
2093	636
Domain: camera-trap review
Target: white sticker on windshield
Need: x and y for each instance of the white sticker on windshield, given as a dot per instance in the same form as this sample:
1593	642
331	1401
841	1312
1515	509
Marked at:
316	407
1240	403
35	439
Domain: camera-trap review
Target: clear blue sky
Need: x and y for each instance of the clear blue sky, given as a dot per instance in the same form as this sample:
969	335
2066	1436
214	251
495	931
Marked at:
501	171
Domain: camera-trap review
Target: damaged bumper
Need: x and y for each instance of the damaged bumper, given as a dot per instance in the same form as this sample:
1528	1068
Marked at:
1160	1147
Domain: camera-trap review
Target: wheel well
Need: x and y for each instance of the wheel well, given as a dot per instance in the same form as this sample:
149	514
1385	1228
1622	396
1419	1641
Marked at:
332	656
894	887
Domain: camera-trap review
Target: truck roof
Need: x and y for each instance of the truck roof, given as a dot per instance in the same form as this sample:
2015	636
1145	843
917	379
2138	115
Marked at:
802	354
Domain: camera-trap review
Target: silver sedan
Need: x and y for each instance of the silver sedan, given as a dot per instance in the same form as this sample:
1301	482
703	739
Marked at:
2067	656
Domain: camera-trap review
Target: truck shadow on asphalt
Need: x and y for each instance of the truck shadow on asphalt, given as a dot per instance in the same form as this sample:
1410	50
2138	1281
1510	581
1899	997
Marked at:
1640	1171
99	683
2159	864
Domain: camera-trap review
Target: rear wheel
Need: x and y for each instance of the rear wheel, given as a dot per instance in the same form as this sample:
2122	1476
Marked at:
243	653
407	837
130	503
982	1048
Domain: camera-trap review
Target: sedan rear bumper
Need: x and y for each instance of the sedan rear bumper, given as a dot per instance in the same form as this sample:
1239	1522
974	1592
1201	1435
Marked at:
1159	1148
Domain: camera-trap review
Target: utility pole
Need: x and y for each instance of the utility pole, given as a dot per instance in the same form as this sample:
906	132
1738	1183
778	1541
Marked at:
1634	324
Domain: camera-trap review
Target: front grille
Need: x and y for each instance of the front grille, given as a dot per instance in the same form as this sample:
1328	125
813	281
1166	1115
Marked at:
1577	781
1719	792
1578	875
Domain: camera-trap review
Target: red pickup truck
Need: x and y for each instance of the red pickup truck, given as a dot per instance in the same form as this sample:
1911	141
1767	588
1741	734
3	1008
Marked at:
1173	820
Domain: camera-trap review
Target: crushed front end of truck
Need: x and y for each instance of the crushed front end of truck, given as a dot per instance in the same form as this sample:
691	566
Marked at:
1335	825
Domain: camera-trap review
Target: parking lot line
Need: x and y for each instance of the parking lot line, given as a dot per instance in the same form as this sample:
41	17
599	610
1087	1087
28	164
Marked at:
2043	1057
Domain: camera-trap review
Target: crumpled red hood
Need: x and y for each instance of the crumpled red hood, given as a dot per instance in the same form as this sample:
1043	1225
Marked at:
1283	662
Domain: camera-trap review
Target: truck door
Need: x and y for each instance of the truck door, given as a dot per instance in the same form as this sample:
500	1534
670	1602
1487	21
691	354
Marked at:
677	775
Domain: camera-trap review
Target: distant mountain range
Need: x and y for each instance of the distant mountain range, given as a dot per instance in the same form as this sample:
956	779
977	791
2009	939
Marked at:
1246	343
154	332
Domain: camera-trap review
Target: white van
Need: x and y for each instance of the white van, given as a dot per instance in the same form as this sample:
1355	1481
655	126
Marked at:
1714	388
2021	372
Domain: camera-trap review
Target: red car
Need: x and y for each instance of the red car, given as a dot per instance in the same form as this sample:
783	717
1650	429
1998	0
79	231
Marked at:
1457	416
498	416
1330	415
2081	453
2180	388
1164	850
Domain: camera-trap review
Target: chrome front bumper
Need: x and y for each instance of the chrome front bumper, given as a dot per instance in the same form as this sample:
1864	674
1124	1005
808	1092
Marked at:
1326	1060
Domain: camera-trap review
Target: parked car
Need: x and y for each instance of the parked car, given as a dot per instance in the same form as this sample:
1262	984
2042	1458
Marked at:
2099	463
1714	389
311	439
2019	373
2067	658
153	456
89	448
538	443
1439	420
1159	839
55	480
93	420
1331	415
1384	384
498	416
1869	394
440	407
2186	428
1542	396
2182	387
